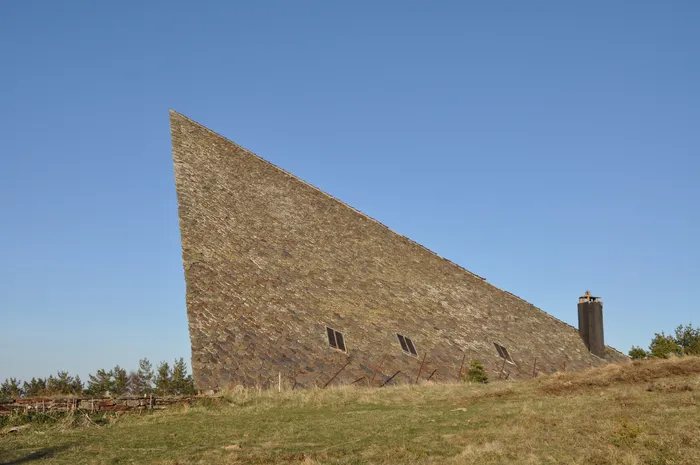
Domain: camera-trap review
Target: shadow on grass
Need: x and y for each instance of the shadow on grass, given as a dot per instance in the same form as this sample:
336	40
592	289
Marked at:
37	455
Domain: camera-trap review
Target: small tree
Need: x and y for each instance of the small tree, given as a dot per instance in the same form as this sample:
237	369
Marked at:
637	353
63	384
688	338
663	346
100	384
163	379
476	373
142	380
181	382
77	387
133	384
10	389
120	381
35	388
51	386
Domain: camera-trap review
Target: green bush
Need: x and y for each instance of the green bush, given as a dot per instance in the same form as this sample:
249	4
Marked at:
663	346
476	373
684	341
22	418
688	338
637	353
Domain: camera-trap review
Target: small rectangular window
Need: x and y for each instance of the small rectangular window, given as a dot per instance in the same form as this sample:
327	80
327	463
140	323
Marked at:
331	337
506	355
335	339
407	345
402	341
341	342
411	347
498	349
503	353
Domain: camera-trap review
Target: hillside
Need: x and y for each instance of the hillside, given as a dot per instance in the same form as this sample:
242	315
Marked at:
636	413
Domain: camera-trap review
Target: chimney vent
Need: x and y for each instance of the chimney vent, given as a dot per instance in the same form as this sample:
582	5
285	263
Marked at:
590	323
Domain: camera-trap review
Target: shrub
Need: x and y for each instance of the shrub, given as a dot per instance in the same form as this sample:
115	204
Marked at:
637	353
688	338
663	346
476	373
684	341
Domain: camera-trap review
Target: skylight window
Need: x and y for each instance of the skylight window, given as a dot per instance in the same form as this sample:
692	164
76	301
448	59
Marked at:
407	345
336	339
503	353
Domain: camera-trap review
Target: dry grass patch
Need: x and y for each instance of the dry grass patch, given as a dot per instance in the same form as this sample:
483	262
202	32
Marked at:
644	413
636	372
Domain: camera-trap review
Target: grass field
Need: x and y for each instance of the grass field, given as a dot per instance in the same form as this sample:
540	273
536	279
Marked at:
641	413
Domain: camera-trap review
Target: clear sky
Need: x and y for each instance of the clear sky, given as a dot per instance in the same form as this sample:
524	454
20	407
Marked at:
550	147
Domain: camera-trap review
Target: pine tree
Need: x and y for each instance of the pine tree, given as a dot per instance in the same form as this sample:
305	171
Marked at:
77	387
35	388
181	382
663	346
62	384
100	384
133	384
10	389
688	338
163	379
142	381
476	373
120	382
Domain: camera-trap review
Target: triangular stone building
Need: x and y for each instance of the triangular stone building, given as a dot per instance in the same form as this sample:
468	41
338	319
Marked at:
286	282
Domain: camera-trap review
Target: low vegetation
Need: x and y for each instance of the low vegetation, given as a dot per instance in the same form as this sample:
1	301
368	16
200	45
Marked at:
476	373
643	412
684	341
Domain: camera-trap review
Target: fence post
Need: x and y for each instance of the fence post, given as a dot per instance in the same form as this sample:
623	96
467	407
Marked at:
378	368
461	367
392	377
329	381
421	368
503	369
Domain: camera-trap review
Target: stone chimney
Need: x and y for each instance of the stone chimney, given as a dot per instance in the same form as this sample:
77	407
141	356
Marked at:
590	323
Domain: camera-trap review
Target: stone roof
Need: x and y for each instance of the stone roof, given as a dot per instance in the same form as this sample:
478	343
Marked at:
271	261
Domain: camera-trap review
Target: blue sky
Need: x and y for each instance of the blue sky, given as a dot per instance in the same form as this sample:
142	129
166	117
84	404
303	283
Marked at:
547	146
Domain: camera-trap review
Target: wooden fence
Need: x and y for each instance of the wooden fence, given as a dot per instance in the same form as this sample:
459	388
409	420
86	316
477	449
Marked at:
89	405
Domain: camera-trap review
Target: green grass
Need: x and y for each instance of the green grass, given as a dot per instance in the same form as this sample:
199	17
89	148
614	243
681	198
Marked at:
642	413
